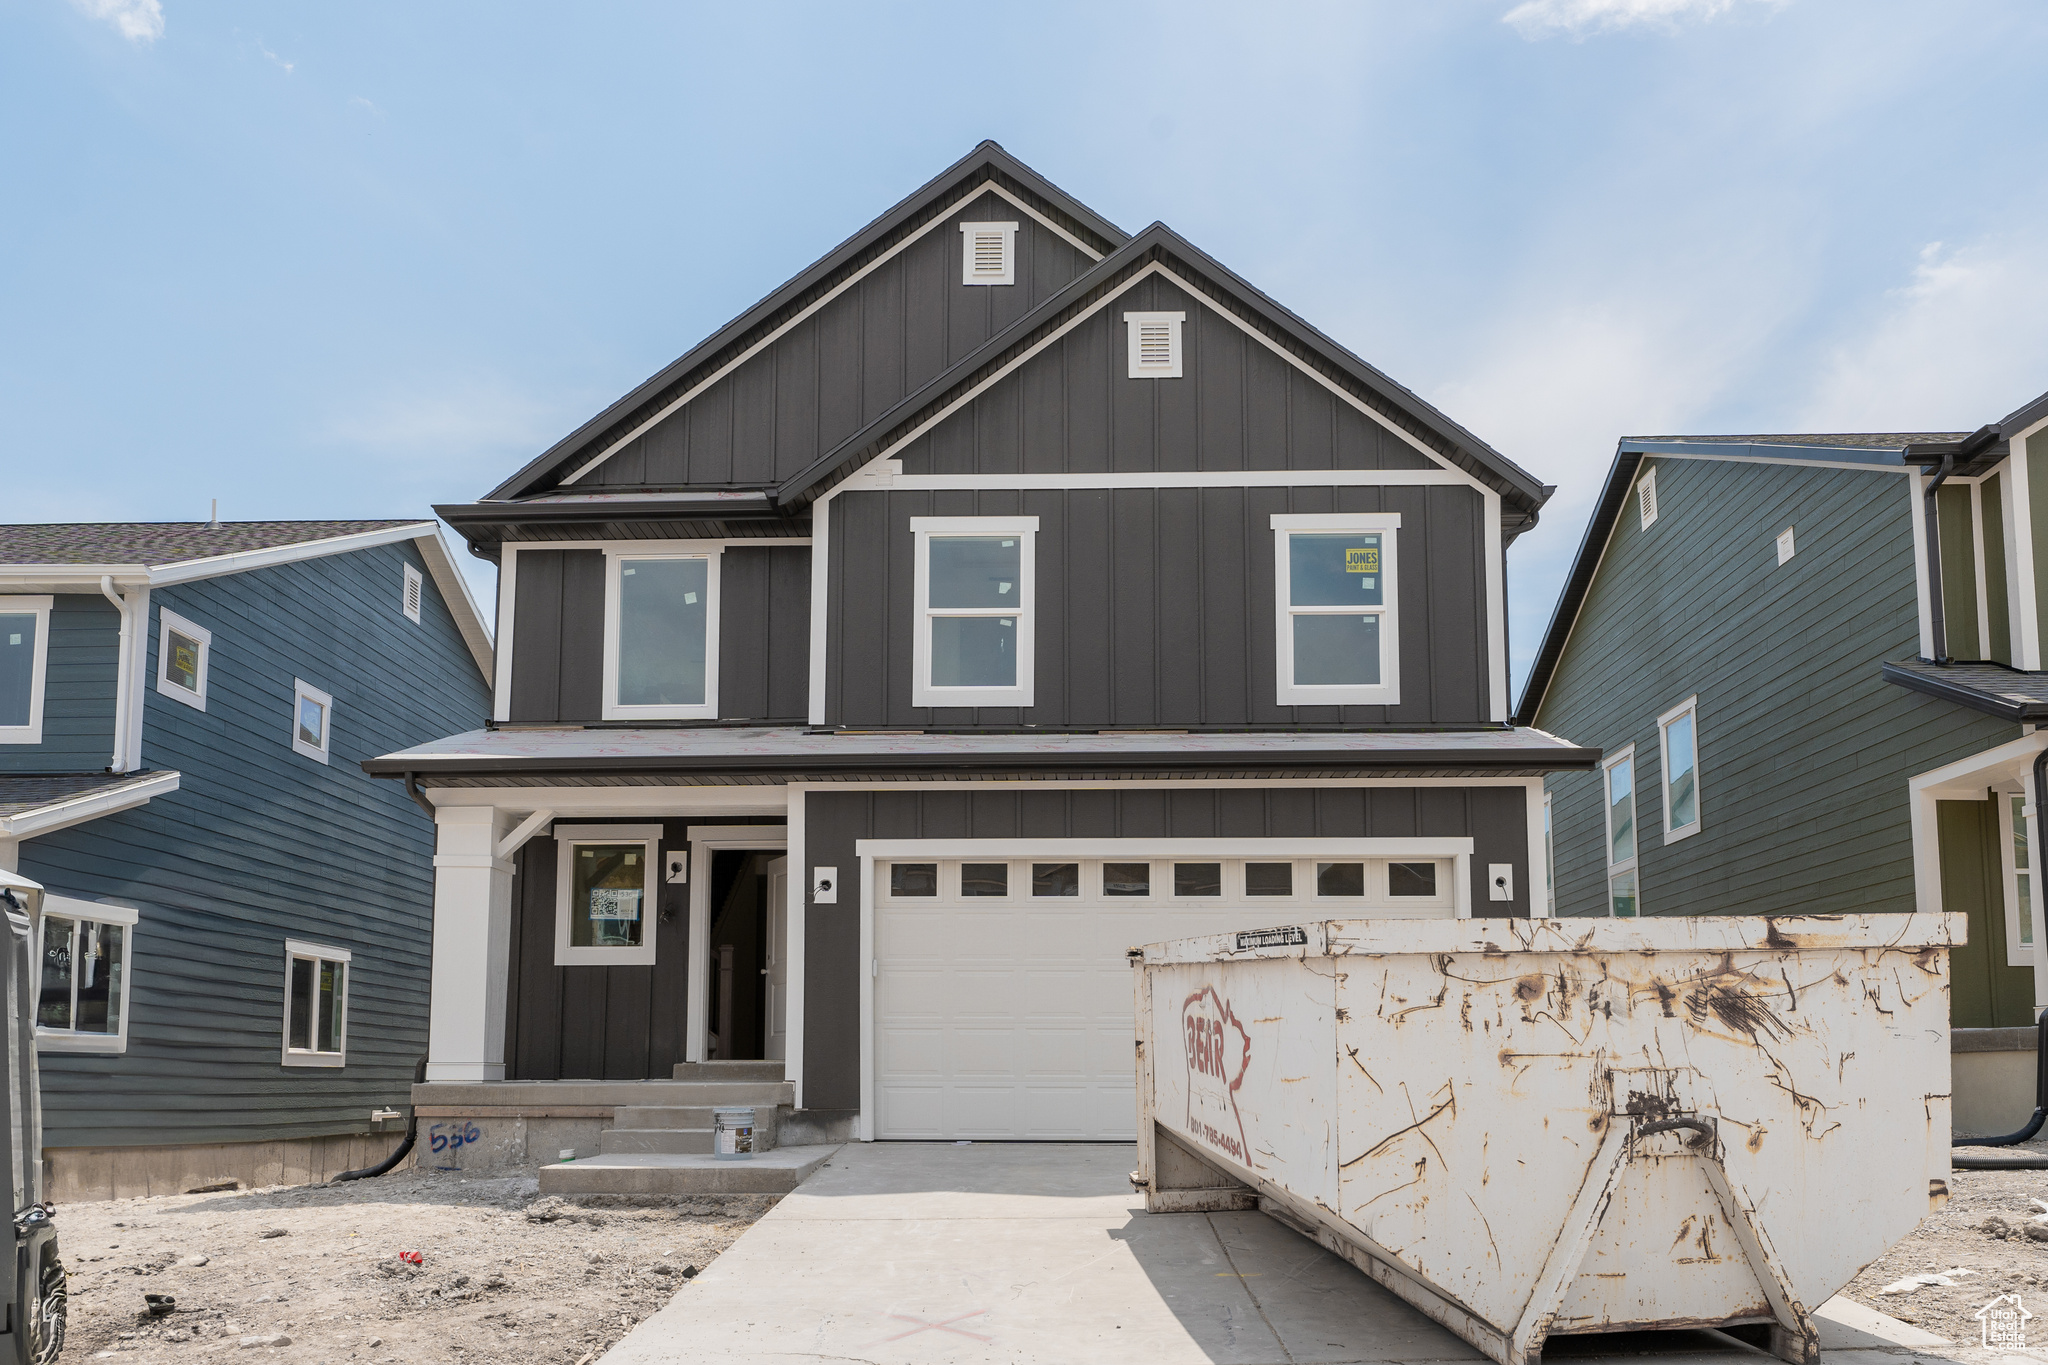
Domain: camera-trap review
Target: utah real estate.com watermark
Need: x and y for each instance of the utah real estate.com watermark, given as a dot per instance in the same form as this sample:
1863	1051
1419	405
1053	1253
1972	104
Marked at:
2005	1323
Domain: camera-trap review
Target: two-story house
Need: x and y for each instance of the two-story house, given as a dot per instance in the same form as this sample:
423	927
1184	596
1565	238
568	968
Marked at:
235	943
1813	665
1001	592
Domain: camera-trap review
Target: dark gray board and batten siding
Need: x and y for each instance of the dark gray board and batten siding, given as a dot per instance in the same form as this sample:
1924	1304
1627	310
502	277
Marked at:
260	844
1155	607
78	690
891	332
764	635
1804	752
1494	817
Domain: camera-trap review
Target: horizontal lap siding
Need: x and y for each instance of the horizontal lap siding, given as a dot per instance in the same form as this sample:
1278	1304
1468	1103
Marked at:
1073	408
1804	751
896	329
1494	817
261	844
78	690
1155	607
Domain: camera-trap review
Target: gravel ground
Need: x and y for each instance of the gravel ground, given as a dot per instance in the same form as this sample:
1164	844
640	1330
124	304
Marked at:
317	1270
2002	1259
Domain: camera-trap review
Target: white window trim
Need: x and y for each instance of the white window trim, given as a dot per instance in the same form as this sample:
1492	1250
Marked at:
1689	707
922	693
294	949
39	607
1632	863
1646	499
69	907
413	595
567	837
302	688
614	560
1549	860
168	621
1386	692
2017	954
1134	325
967	235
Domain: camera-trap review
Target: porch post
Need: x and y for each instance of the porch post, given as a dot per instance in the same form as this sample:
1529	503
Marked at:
472	946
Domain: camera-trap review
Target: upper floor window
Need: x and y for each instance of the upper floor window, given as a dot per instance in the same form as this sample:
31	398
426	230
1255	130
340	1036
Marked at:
415	588
1338	640
24	660
1154	343
1678	732
183	651
988	253
315	1004
1618	774
973	594
661	635
312	720
82	1003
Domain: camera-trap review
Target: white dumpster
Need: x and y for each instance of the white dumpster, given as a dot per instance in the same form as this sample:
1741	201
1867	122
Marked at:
1536	1127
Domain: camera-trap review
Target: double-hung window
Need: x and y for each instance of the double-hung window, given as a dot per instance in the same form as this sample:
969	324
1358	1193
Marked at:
24	660
2016	813
973	593
82	1004
1618	774
661	634
1338	637
184	651
315	1004
605	891
1678	735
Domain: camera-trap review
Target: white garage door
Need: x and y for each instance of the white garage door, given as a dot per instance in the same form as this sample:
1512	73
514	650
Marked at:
1003	998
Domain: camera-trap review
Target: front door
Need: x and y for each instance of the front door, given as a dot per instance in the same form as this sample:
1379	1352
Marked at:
777	971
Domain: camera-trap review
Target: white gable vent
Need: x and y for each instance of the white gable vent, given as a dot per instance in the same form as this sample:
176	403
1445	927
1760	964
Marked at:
1154	344
1646	499
988	253
1786	548
412	593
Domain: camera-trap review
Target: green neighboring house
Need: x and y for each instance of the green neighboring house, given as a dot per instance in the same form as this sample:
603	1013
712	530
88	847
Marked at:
1796	716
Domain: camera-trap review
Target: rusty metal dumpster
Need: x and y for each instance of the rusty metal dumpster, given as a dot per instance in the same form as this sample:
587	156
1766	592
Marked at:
1537	1127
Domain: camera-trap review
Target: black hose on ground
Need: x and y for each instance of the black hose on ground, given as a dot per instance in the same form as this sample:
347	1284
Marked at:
2033	1125
412	1132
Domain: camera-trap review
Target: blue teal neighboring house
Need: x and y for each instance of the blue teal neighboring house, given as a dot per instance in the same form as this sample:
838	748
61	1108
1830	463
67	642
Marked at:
236	947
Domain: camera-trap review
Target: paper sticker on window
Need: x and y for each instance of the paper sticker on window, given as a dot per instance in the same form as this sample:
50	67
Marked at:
1363	560
689	598
615	903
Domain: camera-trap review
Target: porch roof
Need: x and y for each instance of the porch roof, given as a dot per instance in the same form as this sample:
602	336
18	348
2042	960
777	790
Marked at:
38	803
1991	688
760	753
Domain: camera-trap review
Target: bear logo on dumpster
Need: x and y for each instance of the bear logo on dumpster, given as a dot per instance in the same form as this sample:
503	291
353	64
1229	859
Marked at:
1218	1052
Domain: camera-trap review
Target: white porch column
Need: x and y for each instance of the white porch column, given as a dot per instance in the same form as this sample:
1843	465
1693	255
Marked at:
472	946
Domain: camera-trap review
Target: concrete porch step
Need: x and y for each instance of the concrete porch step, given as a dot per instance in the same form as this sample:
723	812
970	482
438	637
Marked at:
728	1071
776	1172
625	1141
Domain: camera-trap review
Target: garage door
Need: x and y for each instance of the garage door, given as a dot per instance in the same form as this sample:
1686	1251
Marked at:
1003	998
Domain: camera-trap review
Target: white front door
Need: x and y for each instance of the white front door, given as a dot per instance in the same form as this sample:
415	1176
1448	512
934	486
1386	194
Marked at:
775	1045
1003	999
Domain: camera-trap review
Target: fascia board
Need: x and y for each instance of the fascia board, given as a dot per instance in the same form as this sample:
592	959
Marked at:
87	806
469	617
191	570
1876	458
986	155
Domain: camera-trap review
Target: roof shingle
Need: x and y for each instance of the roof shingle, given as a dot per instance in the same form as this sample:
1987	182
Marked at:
155	543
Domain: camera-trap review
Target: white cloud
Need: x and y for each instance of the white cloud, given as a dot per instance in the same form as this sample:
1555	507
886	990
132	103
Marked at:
1962	342
140	20
1535	19
276	60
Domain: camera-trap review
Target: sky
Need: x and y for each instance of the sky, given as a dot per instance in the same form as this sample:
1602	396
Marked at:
353	260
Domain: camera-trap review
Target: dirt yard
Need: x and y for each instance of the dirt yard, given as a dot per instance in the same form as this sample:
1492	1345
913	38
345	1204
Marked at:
1983	1231
324	1272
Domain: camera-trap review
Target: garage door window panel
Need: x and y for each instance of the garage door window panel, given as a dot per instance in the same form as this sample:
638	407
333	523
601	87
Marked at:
1127	879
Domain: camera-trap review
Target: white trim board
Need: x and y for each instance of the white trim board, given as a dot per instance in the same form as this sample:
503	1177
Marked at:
1250	478
670	408
1197	850
705	841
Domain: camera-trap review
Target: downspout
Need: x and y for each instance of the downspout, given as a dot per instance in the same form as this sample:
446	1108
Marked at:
412	789
123	687
1938	625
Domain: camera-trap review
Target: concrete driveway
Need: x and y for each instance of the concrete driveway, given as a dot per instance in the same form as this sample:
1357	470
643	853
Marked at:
917	1252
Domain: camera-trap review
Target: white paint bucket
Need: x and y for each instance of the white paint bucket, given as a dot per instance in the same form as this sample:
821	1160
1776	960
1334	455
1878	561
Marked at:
732	1134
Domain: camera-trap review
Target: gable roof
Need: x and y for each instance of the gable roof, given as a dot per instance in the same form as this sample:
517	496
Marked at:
1158	244
76	555
1850	450
987	162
